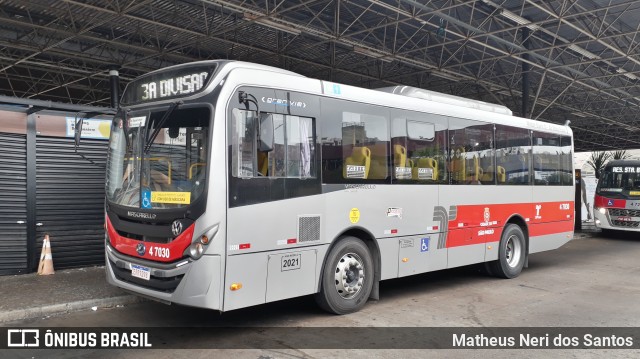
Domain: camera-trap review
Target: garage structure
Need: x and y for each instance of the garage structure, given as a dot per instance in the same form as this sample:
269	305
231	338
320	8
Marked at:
46	187
555	61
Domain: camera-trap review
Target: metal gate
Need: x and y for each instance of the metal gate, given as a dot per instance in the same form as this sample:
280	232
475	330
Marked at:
70	200
13	204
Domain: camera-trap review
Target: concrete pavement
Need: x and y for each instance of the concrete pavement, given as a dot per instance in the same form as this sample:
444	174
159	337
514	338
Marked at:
27	296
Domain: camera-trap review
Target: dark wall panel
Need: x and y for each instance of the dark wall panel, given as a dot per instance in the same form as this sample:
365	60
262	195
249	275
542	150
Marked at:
70	200
13	204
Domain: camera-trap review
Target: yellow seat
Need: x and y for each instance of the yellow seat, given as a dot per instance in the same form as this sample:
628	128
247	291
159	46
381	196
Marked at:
474	172
458	165
401	163
425	162
488	175
361	157
399	156
501	174
263	163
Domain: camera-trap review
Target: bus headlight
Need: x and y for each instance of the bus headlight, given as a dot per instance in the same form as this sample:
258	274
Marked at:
602	210
195	250
199	245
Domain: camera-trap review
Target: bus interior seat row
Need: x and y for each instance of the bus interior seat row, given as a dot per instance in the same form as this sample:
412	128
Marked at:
462	169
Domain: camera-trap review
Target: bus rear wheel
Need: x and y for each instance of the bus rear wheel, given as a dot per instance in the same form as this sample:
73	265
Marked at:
511	253
347	277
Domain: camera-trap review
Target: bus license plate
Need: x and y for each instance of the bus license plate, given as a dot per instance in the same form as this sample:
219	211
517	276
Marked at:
625	219
140	272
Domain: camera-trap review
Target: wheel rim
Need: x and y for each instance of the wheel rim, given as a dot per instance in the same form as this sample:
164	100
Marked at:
349	276
513	250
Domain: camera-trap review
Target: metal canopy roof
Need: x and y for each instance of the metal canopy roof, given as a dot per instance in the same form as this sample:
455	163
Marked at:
583	55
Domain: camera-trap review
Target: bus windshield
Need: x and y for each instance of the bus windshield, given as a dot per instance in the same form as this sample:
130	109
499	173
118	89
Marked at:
158	158
619	182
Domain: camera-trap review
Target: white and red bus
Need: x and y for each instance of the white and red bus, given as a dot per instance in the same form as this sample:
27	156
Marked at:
232	184
616	205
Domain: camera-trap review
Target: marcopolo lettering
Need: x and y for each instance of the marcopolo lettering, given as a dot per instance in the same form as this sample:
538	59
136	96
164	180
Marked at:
141	215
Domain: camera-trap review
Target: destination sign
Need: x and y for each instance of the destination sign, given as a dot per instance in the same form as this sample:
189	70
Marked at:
183	85
625	169
167	84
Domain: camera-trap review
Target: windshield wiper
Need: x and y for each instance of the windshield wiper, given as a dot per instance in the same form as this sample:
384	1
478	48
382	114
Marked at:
158	126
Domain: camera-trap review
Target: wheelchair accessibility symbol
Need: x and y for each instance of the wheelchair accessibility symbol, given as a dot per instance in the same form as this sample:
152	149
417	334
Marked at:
146	198
424	244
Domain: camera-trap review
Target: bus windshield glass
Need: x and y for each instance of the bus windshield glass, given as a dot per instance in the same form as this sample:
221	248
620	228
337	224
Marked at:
620	181
158	158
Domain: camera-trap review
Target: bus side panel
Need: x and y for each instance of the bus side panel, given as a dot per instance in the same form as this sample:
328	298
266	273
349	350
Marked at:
205	271
389	213
260	236
477	214
549	241
552	222
248	271
420	254
291	274
467	254
388	258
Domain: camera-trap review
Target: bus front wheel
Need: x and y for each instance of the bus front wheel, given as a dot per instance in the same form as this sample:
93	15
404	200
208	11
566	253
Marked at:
511	253
347	277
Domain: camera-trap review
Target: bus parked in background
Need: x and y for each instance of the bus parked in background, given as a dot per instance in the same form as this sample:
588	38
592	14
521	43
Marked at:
617	200
232	184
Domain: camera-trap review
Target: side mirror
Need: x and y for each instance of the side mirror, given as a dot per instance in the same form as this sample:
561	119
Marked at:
265	143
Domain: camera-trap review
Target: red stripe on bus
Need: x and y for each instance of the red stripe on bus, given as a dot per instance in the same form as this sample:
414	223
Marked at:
604	202
476	224
161	252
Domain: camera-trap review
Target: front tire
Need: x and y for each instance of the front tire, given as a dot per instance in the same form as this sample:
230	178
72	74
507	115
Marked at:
511	253
347	277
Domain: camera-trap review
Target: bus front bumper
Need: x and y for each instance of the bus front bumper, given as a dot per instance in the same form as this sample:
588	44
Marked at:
188	282
605	221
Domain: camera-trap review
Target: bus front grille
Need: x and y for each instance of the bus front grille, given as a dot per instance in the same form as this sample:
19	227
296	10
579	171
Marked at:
167	285
621	212
628	224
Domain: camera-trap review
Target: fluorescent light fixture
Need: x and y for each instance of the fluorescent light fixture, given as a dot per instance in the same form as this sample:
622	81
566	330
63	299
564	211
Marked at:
627	74
518	19
272	24
588	54
371	53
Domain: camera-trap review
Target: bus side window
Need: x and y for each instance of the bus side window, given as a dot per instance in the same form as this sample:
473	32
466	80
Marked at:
513	146
287	153
364	146
243	143
418	143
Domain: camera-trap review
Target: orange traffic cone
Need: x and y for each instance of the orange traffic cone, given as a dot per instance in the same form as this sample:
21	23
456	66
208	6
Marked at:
46	261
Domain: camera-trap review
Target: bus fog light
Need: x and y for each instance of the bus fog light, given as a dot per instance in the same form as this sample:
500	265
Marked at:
602	210
597	221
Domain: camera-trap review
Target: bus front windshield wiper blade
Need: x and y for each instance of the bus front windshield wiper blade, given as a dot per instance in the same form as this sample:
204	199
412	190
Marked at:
158	126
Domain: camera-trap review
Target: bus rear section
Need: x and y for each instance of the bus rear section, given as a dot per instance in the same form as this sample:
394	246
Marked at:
617	198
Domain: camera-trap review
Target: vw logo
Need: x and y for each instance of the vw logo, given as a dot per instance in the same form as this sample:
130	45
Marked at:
141	249
176	227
